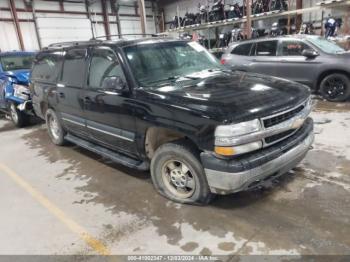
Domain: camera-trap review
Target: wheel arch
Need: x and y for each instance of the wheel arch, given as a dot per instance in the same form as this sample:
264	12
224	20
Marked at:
156	136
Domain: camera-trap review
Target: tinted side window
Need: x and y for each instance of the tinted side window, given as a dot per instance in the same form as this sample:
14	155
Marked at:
103	64
243	49
293	48
74	67
266	48
47	67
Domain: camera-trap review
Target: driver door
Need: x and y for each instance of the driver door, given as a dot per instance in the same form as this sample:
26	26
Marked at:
110	121
293	65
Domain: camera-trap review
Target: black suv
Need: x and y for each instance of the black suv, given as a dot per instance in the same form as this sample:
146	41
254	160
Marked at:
169	106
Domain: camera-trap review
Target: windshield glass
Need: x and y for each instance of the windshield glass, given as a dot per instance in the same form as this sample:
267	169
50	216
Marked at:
326	46
154	64
16	62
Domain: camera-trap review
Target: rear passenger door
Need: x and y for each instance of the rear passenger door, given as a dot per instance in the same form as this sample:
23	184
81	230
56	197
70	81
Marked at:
70	89
44	76
264	57
239	58
109	115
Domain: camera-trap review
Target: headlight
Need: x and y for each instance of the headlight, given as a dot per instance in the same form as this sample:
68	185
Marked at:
21	91
226	134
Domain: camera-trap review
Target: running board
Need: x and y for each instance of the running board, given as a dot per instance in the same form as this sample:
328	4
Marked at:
114	156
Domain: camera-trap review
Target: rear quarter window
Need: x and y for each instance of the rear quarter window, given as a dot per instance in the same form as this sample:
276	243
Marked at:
243	49
47	67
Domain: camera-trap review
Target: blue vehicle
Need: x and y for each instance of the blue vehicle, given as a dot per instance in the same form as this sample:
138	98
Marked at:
15	97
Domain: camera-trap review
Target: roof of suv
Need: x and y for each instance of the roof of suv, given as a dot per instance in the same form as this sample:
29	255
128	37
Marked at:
296	36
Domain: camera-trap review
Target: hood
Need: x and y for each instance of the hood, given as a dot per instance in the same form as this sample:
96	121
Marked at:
229	97
22	76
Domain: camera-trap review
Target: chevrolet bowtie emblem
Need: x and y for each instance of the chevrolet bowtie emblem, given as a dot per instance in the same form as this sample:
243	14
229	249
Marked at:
298	123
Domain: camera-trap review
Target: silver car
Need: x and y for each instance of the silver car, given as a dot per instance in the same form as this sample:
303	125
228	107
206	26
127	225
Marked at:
310	60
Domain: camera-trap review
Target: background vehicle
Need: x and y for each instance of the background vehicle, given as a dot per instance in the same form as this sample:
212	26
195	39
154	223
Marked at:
217	11
307	29
277	30
188	119
14	79
310	60
235	11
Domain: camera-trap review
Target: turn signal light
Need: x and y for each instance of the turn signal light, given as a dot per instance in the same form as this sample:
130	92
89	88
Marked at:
224	151
222	61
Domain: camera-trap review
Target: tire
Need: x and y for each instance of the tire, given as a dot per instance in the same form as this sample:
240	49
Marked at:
54	128
335	87
18	118
182	155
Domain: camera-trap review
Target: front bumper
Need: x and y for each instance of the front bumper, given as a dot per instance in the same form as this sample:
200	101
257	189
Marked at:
227	176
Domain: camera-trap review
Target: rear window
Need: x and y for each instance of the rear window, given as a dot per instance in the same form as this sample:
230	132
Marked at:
243	49
74	68
266	48
47	67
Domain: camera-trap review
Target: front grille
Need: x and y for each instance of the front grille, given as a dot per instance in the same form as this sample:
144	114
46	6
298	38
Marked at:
277	137
282	117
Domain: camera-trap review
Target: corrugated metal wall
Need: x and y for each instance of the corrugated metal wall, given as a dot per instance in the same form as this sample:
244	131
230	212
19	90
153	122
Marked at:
57	27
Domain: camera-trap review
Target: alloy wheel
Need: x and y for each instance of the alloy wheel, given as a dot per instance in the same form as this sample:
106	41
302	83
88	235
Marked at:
54	127
335	87
178	179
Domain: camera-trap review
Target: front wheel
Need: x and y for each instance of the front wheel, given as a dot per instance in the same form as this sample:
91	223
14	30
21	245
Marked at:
177	174
18	118
335	87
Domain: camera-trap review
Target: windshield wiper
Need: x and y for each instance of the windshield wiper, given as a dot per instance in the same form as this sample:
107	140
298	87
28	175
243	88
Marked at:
173	78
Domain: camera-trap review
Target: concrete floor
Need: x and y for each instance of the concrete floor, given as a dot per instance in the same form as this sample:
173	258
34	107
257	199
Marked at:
66	200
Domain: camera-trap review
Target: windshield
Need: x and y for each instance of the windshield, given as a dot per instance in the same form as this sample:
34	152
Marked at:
326	46
16	62
154	64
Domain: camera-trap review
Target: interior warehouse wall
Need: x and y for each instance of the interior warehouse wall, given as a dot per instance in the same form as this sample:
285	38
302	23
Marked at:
55	26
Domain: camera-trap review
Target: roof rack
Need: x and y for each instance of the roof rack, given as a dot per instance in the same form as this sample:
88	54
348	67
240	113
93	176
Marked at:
72	43
121	35
96	40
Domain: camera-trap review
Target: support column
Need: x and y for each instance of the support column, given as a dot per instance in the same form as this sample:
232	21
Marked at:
115	7
106	19
87	8
61	6
16	23
249	19
36	24
299	18
143	15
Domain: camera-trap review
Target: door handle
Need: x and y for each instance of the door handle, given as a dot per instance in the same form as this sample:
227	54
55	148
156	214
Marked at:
61	95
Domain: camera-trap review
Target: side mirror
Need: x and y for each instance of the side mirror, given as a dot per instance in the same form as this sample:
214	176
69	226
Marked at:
114	83
309	53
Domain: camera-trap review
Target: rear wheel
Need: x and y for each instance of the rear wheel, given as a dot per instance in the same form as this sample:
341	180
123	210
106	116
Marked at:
178	174
54	127
335	87
18	118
